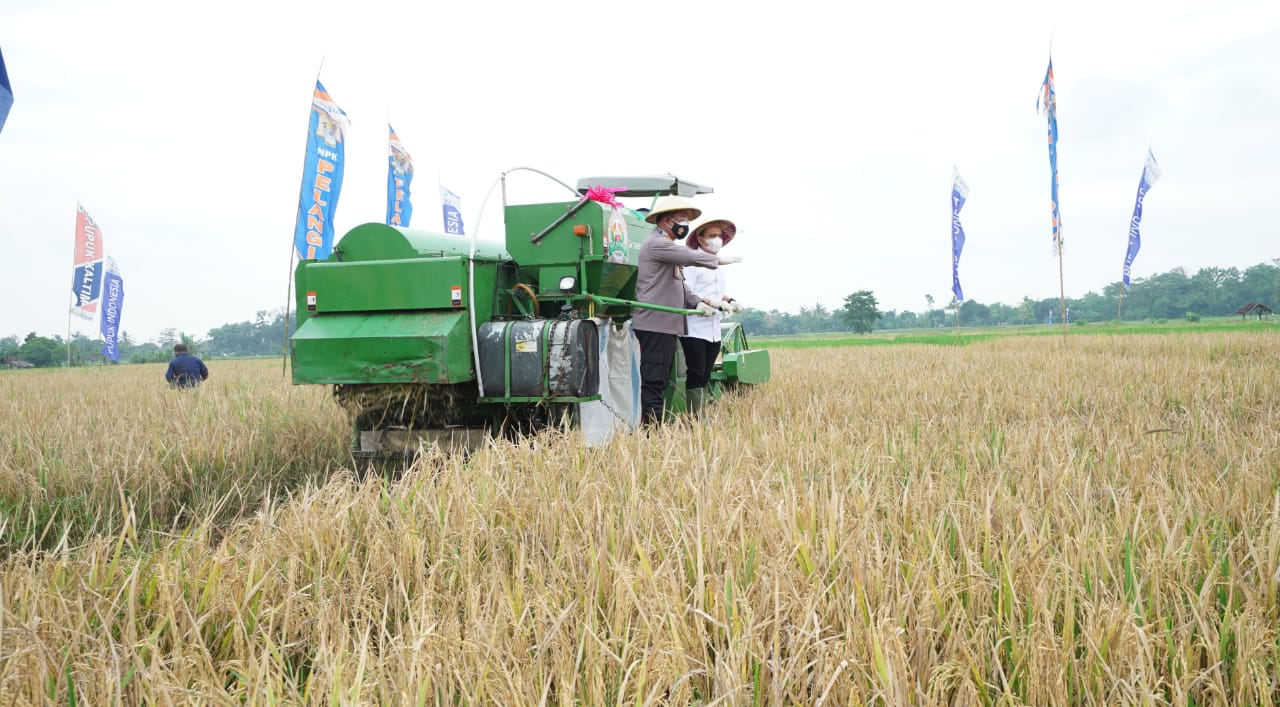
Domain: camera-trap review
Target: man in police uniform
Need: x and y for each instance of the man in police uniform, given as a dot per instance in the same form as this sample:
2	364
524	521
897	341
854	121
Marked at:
659	280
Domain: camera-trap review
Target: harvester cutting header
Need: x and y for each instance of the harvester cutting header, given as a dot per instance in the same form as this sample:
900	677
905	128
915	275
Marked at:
427	337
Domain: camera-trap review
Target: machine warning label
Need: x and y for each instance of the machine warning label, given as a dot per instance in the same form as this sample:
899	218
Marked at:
455	295
529	346
311	301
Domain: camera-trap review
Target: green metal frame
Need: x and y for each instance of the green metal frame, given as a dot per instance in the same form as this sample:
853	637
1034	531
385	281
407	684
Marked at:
739	363
384	311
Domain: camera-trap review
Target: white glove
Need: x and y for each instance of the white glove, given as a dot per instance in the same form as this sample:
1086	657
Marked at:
705	310
734	307
728	259
722	306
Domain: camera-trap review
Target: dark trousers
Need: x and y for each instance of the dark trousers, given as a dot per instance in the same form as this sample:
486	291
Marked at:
657	353
700	358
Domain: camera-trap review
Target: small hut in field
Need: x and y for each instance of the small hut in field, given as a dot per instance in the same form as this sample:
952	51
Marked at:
1257	308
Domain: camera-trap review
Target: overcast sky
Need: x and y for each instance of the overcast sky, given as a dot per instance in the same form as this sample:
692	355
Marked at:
828	130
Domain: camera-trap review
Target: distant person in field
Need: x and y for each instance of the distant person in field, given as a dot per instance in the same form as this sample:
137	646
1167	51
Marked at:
185	370
660	280
702	343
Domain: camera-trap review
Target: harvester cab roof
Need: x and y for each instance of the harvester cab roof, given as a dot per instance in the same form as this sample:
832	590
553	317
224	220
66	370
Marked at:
654	185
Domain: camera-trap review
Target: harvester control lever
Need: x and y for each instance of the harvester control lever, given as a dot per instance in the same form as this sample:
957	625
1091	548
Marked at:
641	305
535	237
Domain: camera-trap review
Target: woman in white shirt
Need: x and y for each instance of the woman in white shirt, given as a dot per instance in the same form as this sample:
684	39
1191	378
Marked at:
702	344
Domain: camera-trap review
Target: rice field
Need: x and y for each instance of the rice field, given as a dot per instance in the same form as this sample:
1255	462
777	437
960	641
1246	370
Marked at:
1025	520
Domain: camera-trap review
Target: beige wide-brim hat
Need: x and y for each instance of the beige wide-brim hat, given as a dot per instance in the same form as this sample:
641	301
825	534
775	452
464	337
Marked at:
727	230
669	204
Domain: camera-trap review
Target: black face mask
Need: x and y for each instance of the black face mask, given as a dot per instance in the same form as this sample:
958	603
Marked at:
679	230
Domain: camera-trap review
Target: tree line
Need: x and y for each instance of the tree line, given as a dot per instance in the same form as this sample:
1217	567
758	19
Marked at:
262	336
1210	292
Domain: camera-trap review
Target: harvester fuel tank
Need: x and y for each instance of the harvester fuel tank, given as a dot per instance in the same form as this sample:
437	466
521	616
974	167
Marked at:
540	359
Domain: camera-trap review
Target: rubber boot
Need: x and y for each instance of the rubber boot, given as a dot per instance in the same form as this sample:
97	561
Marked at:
697	399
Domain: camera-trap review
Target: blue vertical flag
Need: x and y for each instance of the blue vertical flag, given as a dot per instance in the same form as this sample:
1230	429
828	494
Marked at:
6	93
399	178
1150	173
321	177
1048	102
959	192
452	212
112	305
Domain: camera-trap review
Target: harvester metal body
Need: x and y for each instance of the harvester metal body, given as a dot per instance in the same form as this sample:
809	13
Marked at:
424	340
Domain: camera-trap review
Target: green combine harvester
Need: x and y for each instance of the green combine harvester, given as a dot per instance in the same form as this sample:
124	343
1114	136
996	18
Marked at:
430	338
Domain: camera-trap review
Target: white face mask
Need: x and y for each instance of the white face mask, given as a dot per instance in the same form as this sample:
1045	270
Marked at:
713	245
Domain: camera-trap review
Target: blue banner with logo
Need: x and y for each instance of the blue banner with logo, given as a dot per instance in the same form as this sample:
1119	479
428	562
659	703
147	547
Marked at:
452	212
959	192
1048	102
112	304
399	178
1150	173
6	93
321	177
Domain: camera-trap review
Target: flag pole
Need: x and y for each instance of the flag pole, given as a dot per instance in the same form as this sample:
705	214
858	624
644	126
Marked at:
73	246
1062	291
288	288
1051	109
293	250
390	171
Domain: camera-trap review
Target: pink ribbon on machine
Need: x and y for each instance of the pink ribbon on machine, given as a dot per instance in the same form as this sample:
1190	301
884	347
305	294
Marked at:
605	195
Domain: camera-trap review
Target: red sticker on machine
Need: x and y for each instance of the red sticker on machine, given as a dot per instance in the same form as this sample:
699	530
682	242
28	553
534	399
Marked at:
455	295
311	301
